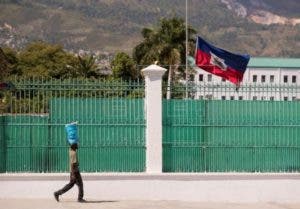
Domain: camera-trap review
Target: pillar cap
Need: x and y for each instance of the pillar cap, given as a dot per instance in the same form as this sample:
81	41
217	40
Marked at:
154	70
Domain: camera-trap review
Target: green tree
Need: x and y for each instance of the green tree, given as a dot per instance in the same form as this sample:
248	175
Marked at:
12	61
86	67
124	67
3	65
5	71
166	44
41	59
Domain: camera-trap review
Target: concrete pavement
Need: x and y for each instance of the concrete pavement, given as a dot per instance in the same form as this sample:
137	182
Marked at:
138	204
128	190
200	187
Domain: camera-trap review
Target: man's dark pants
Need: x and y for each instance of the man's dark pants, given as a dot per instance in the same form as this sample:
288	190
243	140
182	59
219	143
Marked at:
78	181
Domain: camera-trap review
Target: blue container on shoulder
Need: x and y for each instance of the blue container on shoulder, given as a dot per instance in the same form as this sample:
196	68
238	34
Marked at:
72	133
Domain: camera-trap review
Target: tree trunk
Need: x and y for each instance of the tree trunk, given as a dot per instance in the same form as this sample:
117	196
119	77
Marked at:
169	83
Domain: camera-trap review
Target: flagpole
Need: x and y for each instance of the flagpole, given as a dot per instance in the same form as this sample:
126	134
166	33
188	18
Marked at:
186	48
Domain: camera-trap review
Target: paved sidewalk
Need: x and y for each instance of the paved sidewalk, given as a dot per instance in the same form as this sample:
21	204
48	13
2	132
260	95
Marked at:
115	204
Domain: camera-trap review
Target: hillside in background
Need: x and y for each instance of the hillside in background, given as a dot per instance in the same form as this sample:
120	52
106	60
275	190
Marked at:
114	25
287	8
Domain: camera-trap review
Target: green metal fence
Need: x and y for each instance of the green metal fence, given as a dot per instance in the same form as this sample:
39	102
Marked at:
2	146
26	143
111	132
227	91
111	126
199	135
223	136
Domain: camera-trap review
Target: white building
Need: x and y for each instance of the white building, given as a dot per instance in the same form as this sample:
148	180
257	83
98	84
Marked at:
265	79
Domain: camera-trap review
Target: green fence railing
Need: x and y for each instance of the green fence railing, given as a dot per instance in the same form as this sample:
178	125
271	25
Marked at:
26	138
231	136
2	146
111	132
199	135
111	126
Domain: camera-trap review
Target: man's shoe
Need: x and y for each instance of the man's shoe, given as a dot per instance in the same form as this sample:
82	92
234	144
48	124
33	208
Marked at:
56	196
81	200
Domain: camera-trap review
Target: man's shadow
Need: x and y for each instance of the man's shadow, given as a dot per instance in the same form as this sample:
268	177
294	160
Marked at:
99	201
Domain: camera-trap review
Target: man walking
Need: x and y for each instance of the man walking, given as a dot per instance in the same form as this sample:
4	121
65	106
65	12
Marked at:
75	177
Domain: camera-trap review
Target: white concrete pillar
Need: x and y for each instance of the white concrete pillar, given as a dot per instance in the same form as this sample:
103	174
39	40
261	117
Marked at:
153	111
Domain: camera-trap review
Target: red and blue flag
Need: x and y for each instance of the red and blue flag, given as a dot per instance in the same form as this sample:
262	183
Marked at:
220	62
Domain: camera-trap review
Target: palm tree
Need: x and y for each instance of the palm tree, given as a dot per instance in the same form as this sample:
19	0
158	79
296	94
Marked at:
86	67
166	45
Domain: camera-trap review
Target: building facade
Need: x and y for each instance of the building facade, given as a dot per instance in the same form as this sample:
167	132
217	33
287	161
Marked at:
275	79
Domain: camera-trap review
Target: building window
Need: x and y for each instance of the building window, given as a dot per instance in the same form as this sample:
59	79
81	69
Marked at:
271	78
285	98
231	97
294	98
240	97
201	97
254	78
263	98
285	79
200	77
209	77
192	77
294	79
223	97
263	78
254	97
223	79
271	98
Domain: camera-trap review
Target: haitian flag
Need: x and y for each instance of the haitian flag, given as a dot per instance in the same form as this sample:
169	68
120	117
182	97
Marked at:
221	62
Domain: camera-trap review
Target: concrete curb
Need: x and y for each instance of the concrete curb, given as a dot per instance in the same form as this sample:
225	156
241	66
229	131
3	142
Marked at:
151	176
